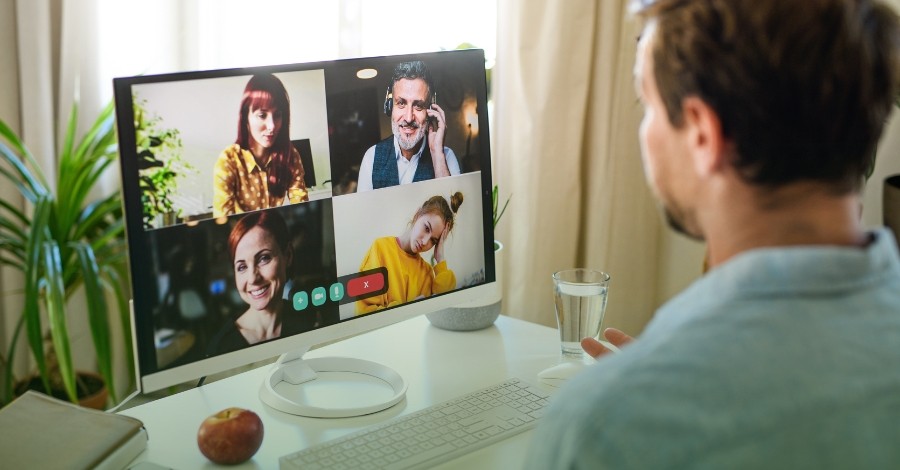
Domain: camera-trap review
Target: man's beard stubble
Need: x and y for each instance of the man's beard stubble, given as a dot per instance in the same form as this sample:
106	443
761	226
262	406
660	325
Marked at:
408	143
677	224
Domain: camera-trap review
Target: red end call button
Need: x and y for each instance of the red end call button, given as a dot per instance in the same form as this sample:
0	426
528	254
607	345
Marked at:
365	284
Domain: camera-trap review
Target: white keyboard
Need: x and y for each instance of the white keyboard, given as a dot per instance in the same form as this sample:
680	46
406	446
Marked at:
431	436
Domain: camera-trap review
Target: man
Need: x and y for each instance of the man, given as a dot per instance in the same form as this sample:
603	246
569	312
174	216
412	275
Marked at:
415	151
761	117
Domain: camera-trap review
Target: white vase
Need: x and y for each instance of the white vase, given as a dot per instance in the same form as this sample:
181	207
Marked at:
477	313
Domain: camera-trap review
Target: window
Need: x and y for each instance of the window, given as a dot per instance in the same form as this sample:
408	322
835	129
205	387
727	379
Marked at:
175	35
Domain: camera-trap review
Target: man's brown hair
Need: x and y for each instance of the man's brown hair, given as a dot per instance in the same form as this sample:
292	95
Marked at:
802	87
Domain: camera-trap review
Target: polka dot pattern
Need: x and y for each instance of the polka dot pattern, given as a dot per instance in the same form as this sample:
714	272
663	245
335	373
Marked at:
241	185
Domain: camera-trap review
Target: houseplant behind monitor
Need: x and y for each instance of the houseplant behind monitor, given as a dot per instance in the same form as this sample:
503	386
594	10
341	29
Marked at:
63	242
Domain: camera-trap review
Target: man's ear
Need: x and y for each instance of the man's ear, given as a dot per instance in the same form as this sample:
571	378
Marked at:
705	138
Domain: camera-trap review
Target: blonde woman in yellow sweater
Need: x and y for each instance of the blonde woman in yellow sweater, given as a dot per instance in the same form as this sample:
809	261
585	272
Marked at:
409	276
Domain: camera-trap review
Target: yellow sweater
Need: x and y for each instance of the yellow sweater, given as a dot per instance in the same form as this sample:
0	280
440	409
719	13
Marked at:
409	276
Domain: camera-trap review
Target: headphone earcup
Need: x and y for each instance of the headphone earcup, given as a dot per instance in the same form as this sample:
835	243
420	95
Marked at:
388	102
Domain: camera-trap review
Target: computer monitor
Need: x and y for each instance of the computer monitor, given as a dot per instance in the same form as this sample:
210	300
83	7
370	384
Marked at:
237	257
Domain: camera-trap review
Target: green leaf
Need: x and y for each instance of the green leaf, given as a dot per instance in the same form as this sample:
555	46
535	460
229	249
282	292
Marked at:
24	182
495	194
15	212
7	133
17	263
12	234
55	300
495	198
33	275
109	237
66	157
97	313
94	216
35	179
98	137
83	179
81	167
115	280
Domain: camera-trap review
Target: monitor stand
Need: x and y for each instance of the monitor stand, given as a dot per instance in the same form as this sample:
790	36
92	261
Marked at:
292	371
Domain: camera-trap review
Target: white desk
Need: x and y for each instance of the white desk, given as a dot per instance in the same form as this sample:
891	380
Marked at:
438	365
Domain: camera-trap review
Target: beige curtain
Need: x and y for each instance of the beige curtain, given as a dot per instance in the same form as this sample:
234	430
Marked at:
32	34
9	111
47	69
566	149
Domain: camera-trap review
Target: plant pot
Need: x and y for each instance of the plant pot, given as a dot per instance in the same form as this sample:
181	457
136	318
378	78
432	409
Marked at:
94	397
475	314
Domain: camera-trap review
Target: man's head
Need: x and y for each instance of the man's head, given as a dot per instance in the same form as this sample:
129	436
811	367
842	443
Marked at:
408	97
800	89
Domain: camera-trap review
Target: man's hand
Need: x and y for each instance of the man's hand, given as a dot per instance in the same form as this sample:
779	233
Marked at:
596	348
437	127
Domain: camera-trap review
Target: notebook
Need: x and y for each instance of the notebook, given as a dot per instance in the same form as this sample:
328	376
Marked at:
43	432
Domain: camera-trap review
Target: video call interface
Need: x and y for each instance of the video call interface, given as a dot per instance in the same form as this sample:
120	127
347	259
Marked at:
284	192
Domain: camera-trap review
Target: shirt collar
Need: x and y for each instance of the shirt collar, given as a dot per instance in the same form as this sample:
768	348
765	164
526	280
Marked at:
415	158
799	270
250	160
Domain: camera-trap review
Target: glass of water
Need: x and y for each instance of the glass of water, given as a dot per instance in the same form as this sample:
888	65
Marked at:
580	298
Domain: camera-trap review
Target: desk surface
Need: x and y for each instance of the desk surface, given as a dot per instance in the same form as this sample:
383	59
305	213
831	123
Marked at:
438	365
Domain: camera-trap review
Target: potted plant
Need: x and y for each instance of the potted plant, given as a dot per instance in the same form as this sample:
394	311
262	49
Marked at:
159	165
62	243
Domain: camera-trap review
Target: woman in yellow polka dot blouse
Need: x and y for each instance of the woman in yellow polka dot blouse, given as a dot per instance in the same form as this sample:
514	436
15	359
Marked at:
262	168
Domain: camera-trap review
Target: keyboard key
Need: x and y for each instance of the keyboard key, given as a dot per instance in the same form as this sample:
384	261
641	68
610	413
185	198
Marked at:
434	435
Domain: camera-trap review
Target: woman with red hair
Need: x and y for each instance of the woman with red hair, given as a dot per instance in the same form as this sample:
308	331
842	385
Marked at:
261	169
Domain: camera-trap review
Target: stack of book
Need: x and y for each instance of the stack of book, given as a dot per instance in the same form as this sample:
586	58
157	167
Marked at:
42	432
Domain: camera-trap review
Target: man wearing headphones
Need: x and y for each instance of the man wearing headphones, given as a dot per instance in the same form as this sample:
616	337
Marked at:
415	151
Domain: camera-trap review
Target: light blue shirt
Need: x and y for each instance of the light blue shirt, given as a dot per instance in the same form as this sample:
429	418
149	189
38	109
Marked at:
779	358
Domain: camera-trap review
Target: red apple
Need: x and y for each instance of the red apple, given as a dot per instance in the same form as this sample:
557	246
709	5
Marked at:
230	436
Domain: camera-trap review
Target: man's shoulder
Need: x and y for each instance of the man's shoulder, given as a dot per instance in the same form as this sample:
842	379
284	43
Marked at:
718	366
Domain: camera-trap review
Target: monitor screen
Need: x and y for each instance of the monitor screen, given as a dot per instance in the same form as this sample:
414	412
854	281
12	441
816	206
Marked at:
270	209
